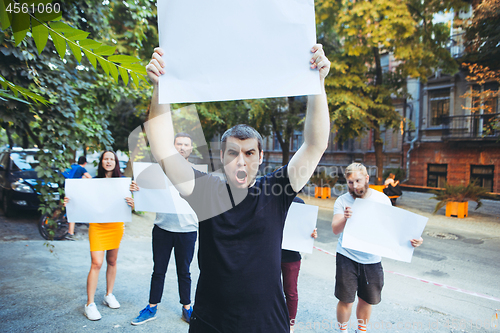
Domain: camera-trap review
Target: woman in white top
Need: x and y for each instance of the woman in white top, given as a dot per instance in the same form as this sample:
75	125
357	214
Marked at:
390	180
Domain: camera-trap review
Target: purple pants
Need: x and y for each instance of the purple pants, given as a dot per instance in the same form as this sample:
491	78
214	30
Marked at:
290	271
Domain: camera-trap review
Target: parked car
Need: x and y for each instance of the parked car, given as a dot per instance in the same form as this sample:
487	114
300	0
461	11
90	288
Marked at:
18	180
123	166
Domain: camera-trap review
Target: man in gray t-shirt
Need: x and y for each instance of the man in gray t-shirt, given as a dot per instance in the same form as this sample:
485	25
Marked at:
176	232
357	272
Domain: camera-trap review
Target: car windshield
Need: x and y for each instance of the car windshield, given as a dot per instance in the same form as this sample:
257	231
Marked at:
23	161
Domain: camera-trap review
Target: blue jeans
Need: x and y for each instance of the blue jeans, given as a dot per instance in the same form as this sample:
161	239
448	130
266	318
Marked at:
163	243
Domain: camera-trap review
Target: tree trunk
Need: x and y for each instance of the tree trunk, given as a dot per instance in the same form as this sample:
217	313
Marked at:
286	152
26	141
377	140
9	136
379	154
283	141
378	67
33	136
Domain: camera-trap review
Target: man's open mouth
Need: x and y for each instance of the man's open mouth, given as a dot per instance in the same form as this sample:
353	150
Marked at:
241	177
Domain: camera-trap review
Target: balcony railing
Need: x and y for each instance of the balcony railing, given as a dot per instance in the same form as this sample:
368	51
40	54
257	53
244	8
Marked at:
476	126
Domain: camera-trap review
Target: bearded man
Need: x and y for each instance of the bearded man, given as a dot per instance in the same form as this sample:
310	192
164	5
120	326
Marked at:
357	271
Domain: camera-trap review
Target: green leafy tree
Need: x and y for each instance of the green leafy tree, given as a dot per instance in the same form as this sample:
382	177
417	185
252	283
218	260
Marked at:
484	98
281	117
60	102
65	38
217	117
483	35
360	92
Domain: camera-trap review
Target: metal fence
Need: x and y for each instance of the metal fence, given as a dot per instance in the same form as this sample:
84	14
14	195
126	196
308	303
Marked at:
472	126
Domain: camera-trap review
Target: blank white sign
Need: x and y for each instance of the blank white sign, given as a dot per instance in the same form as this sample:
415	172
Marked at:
100	200
382	230
156	192
299	225
236	49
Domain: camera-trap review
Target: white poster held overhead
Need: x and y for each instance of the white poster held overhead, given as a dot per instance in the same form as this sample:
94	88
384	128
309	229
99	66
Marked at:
382	230
100	200
299	225
235	49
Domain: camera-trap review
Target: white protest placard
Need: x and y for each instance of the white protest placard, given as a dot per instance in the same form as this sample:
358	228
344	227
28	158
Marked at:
235	49
382	230
156	192
98	200
299	225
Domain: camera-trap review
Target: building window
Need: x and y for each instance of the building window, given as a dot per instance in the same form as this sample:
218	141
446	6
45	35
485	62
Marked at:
436	175
482	175
395	139
439	105
339	146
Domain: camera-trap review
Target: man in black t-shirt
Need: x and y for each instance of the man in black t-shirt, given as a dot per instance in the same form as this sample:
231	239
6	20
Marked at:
241	217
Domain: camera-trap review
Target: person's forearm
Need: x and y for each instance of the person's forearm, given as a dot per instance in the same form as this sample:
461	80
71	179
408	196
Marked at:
316	132
159	128
317	124
338	224
160	133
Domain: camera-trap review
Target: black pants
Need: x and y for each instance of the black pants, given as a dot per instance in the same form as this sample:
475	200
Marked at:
183	245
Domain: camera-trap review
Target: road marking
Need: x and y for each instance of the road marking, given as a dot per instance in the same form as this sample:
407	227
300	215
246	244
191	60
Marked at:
468	292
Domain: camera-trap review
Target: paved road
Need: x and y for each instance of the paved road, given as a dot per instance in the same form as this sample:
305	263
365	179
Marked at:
466	258
45	292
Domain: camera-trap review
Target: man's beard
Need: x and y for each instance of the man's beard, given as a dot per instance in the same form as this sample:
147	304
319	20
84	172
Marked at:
355	195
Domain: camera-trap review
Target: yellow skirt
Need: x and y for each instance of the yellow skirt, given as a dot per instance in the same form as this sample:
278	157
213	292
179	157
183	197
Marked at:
105	236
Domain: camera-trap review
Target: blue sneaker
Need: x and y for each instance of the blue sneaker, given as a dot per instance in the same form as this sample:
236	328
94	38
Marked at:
146	314
186	314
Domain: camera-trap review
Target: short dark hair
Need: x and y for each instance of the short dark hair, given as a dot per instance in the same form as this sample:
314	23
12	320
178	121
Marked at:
241	132
82	160
183	135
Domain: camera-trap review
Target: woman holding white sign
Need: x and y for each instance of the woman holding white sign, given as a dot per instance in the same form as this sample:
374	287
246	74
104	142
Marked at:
104	237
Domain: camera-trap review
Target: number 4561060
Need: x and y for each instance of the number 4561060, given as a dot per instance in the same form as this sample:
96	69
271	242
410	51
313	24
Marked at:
40	8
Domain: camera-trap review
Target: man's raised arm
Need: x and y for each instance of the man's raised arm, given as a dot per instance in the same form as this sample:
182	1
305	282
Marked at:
160	132
316	128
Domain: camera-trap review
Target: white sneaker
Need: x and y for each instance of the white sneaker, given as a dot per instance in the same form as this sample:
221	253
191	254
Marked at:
91	312
110	300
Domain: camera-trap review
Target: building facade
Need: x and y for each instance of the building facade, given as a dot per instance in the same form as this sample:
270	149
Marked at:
446	138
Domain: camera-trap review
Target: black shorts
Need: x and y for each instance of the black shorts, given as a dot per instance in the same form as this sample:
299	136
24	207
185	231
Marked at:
366	279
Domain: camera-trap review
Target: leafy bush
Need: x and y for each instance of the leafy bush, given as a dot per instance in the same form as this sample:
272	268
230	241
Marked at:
460	193
398	172
323	180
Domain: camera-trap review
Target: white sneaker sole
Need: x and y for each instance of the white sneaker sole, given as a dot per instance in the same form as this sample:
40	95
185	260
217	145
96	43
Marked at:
142	322
93	319
106	303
